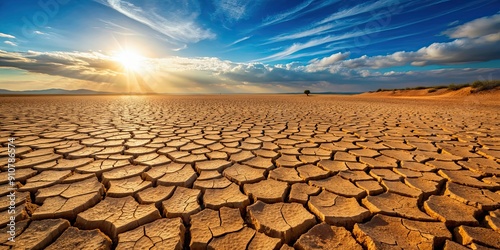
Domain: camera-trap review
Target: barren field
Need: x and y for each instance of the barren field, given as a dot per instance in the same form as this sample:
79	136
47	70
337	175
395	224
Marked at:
251	172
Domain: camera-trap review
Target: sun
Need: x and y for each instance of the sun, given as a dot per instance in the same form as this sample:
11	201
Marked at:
130	60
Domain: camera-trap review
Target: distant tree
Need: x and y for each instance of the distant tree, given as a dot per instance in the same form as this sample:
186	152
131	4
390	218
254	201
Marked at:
307	92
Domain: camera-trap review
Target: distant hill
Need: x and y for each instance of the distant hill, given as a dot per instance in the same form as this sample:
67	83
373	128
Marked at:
54	92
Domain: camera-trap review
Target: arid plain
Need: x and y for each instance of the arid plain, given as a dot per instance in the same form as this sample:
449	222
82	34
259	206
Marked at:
251	172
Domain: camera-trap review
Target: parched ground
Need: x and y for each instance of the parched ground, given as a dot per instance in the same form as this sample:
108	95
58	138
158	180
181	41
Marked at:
251	172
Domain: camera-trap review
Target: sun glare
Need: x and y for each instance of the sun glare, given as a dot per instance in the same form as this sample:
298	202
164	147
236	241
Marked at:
130	60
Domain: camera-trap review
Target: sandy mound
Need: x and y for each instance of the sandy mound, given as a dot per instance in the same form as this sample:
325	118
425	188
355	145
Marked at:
464	92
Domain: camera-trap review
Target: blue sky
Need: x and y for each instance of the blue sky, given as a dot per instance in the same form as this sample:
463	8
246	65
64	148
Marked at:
235	46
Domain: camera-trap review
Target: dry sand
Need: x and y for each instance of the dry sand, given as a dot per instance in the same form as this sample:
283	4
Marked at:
489	95
252	171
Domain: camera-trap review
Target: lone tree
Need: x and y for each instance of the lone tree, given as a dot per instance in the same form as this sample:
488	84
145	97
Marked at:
307	92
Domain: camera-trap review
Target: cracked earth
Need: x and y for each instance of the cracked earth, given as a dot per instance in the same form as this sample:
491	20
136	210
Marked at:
251	172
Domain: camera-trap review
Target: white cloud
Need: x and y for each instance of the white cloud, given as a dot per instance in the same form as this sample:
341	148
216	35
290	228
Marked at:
458	51
77	65
320	64
484	48
10	43
176	21
476	28
7	35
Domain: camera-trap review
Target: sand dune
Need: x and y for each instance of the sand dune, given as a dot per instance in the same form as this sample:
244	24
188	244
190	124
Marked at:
464	92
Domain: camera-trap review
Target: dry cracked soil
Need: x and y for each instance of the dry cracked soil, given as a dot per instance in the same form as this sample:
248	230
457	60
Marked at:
251	172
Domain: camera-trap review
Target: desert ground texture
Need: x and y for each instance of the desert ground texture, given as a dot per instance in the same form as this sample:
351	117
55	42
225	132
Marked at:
251	172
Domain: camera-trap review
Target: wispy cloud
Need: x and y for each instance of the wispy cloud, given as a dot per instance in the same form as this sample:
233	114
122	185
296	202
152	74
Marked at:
352	29
118	29
40	33
233	10
295	12
349	19
180	48
10	43
285	15
301	34
358	10
309	44
7	35
239	41
176	21
344	45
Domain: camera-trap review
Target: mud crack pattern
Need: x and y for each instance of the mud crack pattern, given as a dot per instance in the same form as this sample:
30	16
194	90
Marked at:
251	172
